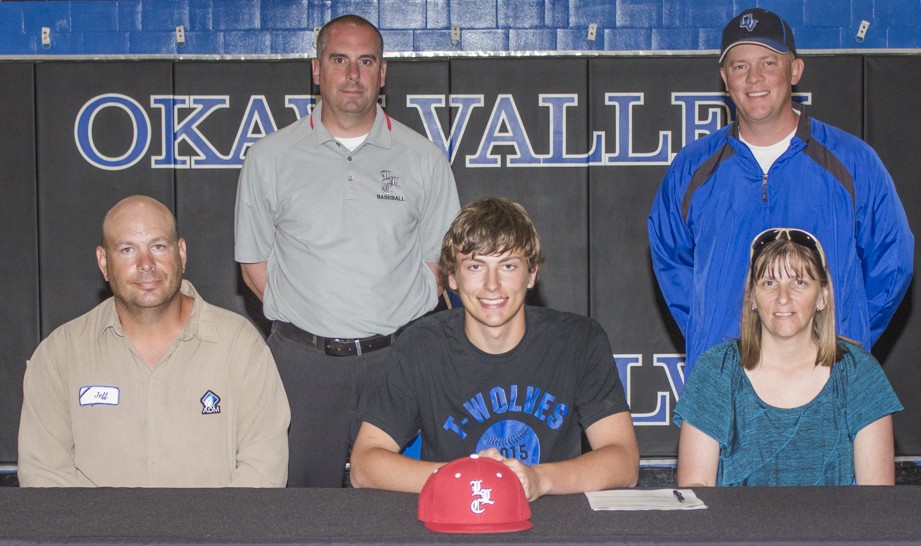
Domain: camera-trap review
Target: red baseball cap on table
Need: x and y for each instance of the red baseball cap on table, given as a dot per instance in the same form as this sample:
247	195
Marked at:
474	495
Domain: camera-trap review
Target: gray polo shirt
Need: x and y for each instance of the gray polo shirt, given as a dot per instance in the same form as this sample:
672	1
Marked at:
346	234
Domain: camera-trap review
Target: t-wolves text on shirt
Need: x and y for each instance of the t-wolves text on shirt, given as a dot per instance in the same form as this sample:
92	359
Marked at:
530	403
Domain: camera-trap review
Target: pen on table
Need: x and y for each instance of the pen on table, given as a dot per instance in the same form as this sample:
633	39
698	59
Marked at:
678	495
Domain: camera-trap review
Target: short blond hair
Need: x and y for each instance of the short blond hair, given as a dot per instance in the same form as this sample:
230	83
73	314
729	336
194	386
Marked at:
352	21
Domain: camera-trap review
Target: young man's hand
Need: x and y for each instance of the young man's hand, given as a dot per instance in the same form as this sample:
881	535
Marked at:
529	478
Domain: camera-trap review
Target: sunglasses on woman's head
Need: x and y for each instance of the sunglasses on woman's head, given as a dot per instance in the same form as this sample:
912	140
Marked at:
798	236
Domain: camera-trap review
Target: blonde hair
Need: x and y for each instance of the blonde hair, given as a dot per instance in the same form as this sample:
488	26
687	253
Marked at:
795	260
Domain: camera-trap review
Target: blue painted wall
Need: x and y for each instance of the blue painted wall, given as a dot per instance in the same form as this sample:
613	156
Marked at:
285	27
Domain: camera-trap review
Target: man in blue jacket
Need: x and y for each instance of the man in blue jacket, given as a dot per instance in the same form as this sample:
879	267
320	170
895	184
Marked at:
775	166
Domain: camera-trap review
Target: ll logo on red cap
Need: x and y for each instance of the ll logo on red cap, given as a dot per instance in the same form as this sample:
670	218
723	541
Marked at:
474	495
481	497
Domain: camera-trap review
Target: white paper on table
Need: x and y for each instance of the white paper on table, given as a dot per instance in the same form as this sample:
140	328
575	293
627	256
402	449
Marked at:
644	499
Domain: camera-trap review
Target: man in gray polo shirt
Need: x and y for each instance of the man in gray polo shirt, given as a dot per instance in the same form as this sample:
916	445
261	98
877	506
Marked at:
339	220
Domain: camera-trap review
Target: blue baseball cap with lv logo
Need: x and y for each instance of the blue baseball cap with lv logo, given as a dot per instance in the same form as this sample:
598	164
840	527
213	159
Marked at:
761	27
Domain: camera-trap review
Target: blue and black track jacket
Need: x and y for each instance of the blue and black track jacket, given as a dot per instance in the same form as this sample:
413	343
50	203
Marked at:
715	198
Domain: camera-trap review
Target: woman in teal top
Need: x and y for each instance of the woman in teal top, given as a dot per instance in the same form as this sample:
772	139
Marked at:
789	403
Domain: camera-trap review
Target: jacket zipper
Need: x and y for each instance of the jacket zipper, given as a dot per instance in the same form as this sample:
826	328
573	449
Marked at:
764	188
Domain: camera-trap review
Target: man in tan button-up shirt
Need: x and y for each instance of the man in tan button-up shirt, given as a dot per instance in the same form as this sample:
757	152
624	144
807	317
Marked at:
154	387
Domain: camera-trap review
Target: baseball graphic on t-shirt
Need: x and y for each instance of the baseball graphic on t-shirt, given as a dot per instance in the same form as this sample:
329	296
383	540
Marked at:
513	439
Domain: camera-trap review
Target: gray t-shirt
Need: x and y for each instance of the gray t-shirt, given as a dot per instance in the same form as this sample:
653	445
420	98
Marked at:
531	403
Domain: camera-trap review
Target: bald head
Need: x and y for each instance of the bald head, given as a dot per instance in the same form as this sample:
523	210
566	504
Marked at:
142	258
133	209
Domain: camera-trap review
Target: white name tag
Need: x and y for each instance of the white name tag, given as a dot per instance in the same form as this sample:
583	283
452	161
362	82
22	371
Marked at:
90	396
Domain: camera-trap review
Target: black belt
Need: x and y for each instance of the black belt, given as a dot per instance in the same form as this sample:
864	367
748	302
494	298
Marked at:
334	346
